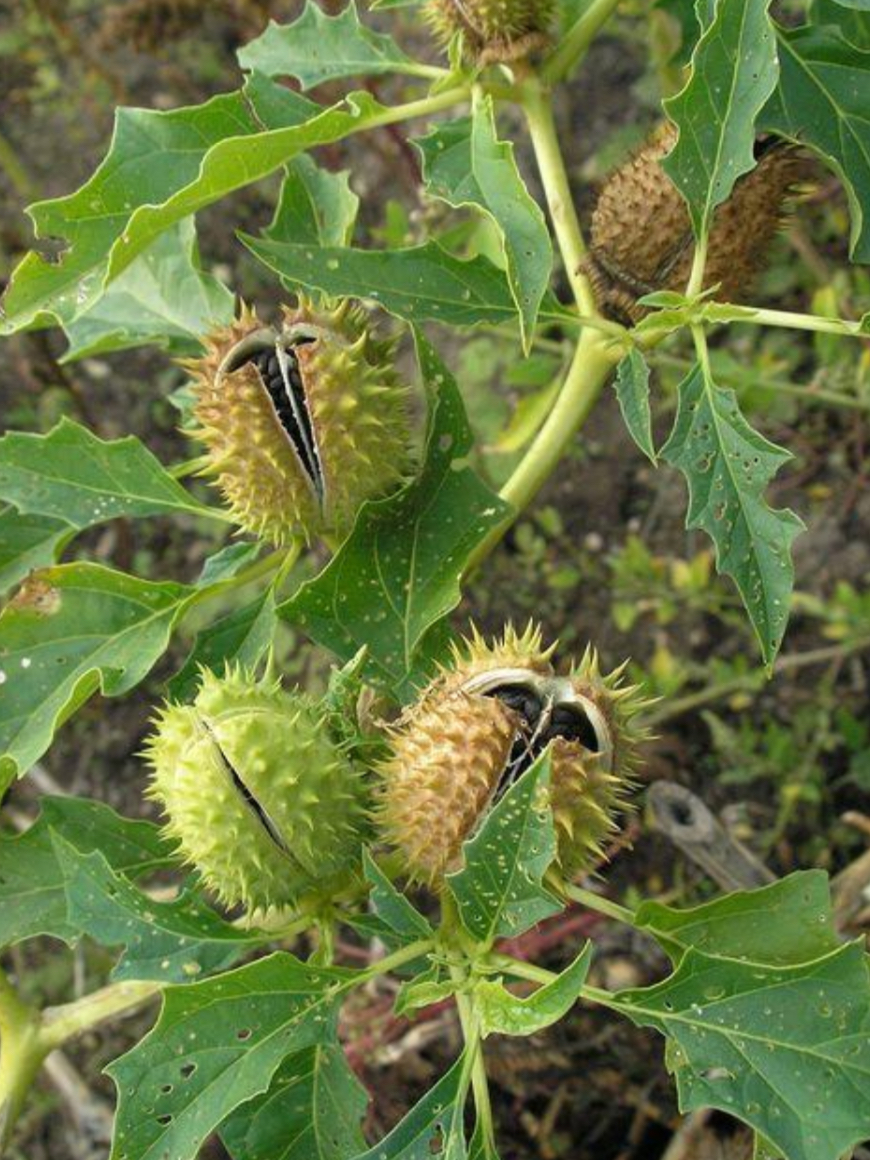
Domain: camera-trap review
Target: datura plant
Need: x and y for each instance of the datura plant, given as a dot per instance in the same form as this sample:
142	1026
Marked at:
446	789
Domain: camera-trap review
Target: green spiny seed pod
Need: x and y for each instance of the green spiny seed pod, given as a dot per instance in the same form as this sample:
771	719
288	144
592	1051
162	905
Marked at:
493	31
257	793
303	422
641	238
480	724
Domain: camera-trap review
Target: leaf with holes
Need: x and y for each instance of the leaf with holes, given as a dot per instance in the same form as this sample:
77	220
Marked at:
734	71
420	284
434	1126
632	391
71	630
32	894
787	1049
727	466
312	1111
216	1045
465	164
397	576
788	922
503	1013
821	101
171	942
499	890
318	47
162	299
70	474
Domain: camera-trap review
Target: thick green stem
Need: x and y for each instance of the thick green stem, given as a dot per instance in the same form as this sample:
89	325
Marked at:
21	1056
538	107
577	39
62	1023
593	361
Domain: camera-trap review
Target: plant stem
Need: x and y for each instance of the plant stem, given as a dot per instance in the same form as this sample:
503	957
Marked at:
397	959
521	969
577	39
593	901
62	1023
593	360
538	108
793	321
421	108
21	1055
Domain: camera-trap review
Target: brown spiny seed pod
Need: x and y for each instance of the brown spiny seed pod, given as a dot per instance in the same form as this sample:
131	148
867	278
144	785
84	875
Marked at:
641	237
493	31
302	422
481	724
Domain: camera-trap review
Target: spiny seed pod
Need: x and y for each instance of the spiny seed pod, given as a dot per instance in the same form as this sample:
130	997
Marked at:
257	793
493	31
481	724
302	423
642	240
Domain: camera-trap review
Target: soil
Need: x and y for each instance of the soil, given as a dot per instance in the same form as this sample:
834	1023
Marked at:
592	1087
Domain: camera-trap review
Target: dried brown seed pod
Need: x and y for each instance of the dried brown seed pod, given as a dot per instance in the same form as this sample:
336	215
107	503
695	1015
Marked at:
641	237
480	724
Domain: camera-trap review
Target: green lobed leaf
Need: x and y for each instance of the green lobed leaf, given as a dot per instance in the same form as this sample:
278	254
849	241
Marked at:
503	1013
315	206
733	73
499	890
434	1125
70	474
632	391
465	164
167	941
241	637
163	298
397	576
420	284
71	630
216	1045
228	561
28	542
32	894
790	921
161	168
406	924
312	1111
429	987
318	47
727	466
821	102
787	1049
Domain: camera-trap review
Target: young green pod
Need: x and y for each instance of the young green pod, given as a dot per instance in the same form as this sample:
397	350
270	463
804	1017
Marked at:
259	796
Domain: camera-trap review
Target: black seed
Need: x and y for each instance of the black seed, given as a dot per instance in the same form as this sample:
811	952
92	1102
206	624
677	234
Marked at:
572	724
522	701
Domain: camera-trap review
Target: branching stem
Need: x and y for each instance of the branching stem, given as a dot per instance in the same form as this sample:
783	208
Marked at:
576	41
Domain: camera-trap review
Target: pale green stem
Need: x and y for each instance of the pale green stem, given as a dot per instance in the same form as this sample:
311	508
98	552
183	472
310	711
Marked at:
593	901
793	321
699	264
577	39
21	1056
421	108
392	962
521	969
538	108
62	1023
593	360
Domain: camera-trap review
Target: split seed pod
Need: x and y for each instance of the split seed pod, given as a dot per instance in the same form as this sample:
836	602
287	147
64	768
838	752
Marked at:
303	422
642	240
493	31
257	793
481	724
